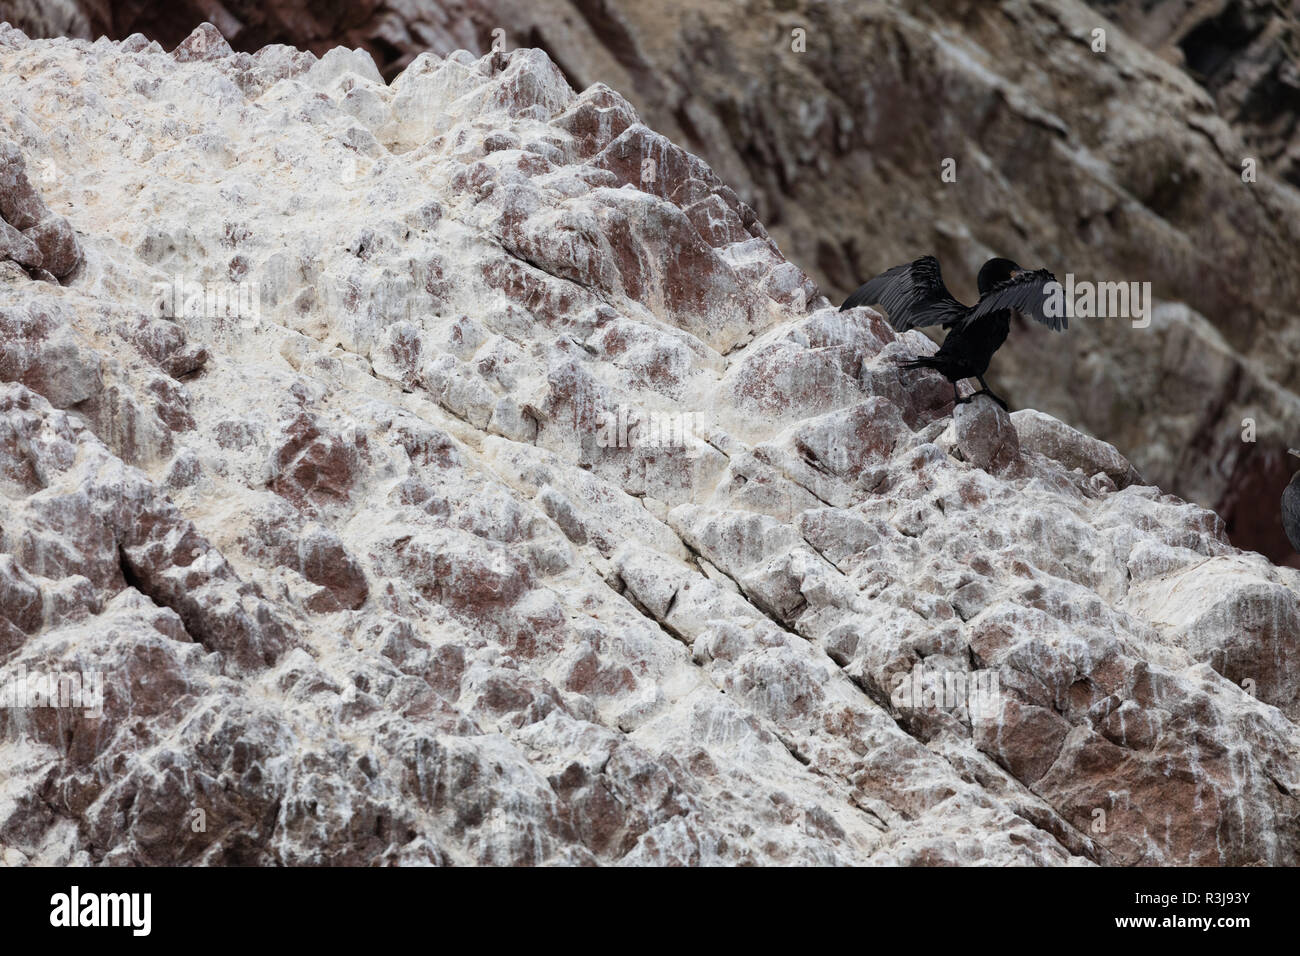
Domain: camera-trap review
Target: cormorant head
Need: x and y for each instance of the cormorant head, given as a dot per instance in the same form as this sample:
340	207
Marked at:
994	272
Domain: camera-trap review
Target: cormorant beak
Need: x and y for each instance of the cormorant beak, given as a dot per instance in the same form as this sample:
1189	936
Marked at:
1016	272
1292	451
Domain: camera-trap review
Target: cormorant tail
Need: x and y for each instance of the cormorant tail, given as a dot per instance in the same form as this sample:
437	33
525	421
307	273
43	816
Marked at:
924	361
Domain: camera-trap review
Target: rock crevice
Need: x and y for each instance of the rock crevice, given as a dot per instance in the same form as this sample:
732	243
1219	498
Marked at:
522	507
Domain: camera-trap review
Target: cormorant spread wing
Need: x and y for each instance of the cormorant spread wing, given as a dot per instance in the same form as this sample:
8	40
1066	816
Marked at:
1024	293
913	294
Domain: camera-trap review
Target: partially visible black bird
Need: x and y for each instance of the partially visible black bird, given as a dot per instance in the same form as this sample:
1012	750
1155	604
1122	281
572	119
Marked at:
1291	507
914	296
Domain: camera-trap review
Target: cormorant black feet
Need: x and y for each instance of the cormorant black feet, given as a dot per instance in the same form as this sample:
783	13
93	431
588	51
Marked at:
958	400
984	387
985	391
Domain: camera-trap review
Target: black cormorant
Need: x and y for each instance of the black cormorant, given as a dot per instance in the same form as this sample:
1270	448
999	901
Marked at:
914	295
1291	507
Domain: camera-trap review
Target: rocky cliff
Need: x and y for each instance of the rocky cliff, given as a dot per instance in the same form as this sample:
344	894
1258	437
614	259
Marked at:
833	119
1245	52
453	470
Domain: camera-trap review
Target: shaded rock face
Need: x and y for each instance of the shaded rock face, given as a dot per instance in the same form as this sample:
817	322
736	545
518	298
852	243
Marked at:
454	471
1114	166
1245	52
832	120
31	236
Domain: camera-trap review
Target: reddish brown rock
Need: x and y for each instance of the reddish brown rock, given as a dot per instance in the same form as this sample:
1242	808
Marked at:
384	581
311	467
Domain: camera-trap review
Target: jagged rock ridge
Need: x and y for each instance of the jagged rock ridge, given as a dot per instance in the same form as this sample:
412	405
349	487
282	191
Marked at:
419	561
